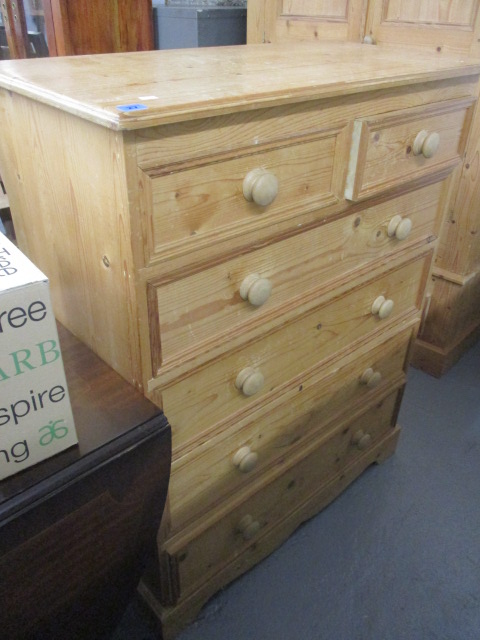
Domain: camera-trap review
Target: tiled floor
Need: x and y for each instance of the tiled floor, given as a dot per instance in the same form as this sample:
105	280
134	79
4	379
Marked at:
395	557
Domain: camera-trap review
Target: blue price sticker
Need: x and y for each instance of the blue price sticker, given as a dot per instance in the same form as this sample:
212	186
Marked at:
126	108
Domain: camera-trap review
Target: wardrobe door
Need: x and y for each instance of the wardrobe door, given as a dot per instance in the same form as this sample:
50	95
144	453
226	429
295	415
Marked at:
442	26
283	20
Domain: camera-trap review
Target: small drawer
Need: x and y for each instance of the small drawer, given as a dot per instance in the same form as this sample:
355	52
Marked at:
264	368
238	457
195	558
422	143
189	206
191	314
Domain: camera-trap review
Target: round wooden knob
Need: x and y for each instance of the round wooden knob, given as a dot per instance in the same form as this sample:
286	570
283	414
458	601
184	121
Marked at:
382	307
426	143
371	378
399	227
248	527
260	186
249	381
245	459
361	440
255	289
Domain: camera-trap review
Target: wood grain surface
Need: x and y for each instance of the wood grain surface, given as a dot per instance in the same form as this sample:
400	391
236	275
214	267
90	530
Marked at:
218	79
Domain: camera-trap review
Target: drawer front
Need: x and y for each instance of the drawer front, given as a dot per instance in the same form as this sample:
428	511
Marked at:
198	559
168	144
203	309
189	207
413	144
232	461
211	394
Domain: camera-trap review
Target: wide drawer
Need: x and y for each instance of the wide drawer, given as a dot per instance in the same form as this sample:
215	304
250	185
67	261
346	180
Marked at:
196	559
188	315
189	206
407	145
220	391
236	458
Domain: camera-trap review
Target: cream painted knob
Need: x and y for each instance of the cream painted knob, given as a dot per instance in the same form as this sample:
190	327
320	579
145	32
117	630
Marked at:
371	378
361	440
245	459
399	227
249	381
248	527
368	40
426	143
260	186
255	289
382	307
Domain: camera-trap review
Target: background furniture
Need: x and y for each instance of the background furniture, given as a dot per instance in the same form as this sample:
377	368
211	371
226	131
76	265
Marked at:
38	28
76	27
250	245
179	27
451	318
76	530
13	31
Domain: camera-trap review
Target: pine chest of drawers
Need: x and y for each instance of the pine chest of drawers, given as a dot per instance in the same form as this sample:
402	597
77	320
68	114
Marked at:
247	235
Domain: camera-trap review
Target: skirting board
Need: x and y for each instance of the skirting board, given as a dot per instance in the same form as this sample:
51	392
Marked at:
437	361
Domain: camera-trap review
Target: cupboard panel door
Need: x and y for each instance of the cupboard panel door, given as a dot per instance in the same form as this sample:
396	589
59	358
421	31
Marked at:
442	25
459	13
283	20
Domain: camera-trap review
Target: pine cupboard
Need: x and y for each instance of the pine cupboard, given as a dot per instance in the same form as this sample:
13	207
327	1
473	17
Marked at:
450	26
247	235
451	314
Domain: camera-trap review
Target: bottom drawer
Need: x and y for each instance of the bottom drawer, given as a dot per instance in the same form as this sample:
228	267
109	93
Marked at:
189	560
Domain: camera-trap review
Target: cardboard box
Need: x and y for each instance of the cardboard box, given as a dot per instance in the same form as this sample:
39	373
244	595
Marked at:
36	419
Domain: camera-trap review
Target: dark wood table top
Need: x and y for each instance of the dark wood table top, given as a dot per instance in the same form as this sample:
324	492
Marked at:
77	529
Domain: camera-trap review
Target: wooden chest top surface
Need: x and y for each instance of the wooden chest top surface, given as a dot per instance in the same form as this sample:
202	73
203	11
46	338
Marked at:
191	83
